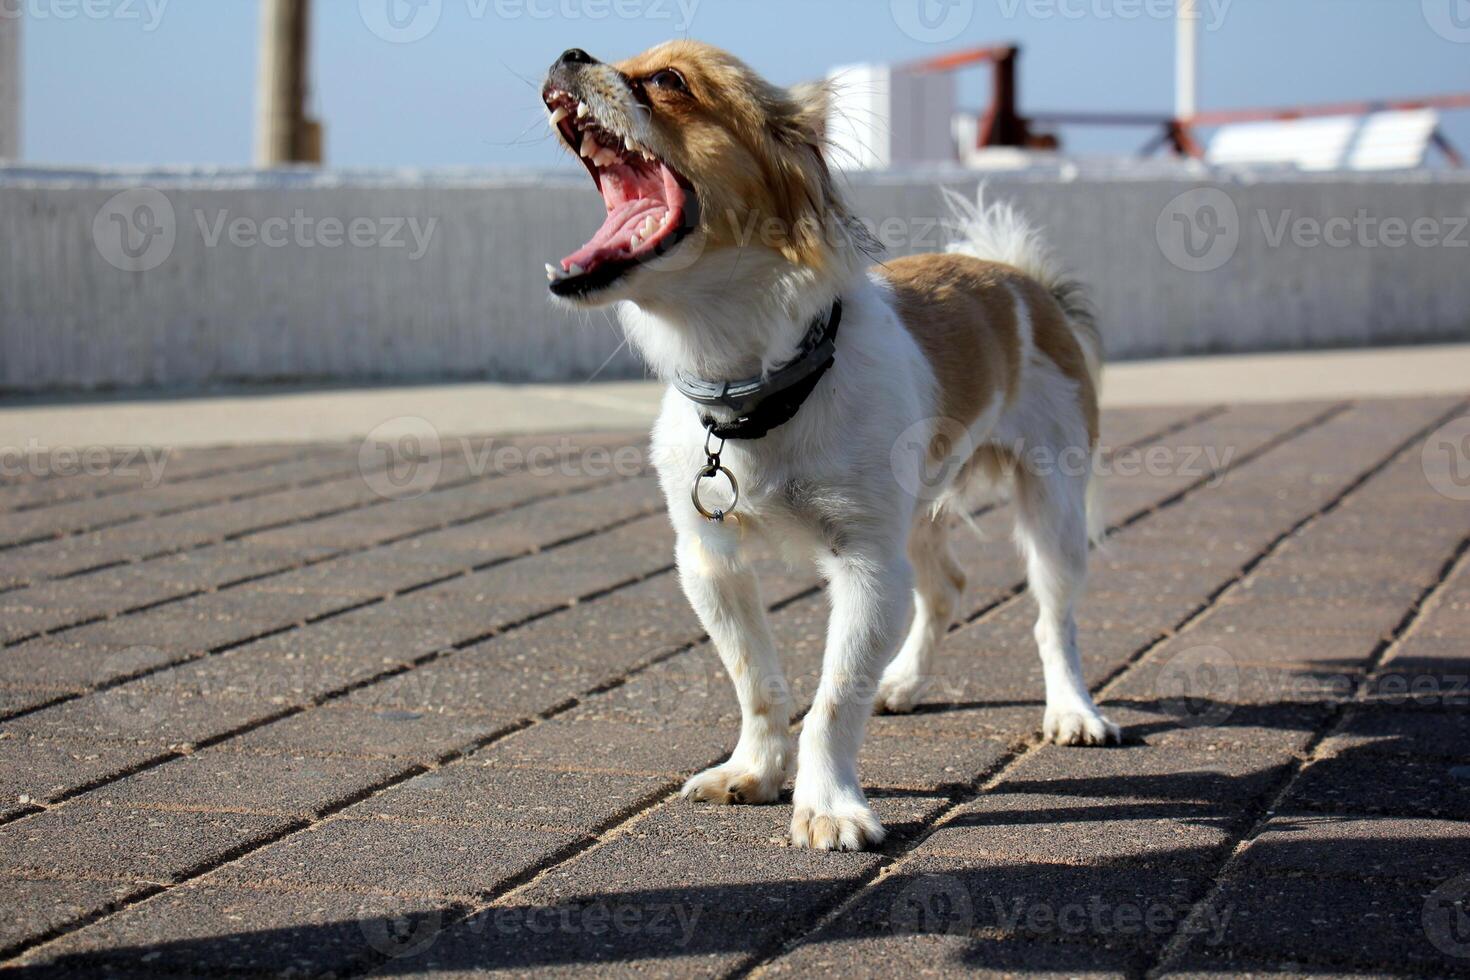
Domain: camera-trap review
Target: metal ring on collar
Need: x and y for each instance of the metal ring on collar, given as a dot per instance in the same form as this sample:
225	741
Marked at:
708	473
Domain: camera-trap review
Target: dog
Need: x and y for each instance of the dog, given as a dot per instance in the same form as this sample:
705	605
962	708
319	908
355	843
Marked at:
730	254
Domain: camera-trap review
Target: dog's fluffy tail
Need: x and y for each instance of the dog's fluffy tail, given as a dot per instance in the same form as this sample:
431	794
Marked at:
997	232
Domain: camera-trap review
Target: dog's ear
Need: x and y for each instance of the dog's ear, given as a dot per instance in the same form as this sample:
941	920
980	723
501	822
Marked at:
811	101
807	201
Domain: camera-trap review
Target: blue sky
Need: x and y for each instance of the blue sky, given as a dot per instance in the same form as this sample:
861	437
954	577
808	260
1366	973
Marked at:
171	81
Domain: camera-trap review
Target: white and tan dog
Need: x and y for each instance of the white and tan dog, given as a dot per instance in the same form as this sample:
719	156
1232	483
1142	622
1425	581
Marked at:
725	240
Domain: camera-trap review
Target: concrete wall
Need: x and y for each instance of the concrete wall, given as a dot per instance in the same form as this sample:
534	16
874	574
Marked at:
9	82
186	279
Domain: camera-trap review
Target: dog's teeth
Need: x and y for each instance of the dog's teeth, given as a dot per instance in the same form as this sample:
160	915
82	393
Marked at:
649	227
589	146
552	273
575	270
636	242
558	114
605	157
582	110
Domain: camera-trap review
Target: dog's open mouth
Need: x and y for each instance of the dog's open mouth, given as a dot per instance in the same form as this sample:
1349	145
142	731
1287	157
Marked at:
649	205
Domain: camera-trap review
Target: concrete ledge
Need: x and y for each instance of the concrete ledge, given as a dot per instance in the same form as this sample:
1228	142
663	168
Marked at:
232	277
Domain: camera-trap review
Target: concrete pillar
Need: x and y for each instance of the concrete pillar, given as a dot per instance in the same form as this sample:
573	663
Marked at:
283	134
9	82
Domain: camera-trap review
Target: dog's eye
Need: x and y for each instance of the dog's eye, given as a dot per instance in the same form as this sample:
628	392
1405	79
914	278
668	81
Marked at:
670	79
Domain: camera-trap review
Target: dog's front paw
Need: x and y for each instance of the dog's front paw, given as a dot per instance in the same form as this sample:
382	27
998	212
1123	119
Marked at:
1079	726
898	693
846	827
733	783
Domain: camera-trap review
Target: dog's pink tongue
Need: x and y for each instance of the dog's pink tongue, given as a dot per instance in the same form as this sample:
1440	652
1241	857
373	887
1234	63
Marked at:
615	237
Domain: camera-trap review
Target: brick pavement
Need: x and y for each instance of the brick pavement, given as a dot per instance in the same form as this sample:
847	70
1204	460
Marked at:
278	711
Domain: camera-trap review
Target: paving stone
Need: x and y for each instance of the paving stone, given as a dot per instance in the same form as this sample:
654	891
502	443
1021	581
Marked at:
479	791
1064	829
398	857
1106	906
149	711
128	844
603	746
55	662
1238	766
1397	730
40	770
338	731
914	762
222	780
1380	847
37	906
941	954
691	905
214	930
1353	784
1341	926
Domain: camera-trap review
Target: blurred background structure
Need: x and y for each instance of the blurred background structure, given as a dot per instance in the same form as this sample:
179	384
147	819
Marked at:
360	193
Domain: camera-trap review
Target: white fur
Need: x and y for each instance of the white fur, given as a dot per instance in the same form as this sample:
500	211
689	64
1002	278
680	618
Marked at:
828	487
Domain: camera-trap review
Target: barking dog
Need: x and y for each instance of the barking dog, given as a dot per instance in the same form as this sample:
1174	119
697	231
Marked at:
862	407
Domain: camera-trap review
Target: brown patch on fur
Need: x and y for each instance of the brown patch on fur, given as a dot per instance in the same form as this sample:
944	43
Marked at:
1056	340
961	312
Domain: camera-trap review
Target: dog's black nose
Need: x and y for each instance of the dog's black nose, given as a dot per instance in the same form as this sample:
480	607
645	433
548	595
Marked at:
576	56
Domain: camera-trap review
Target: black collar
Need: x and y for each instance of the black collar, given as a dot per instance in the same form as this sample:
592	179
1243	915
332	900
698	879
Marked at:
767	401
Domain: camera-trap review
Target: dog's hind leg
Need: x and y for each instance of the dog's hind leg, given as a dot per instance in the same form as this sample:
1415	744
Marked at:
724	593
939	581
1051	529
